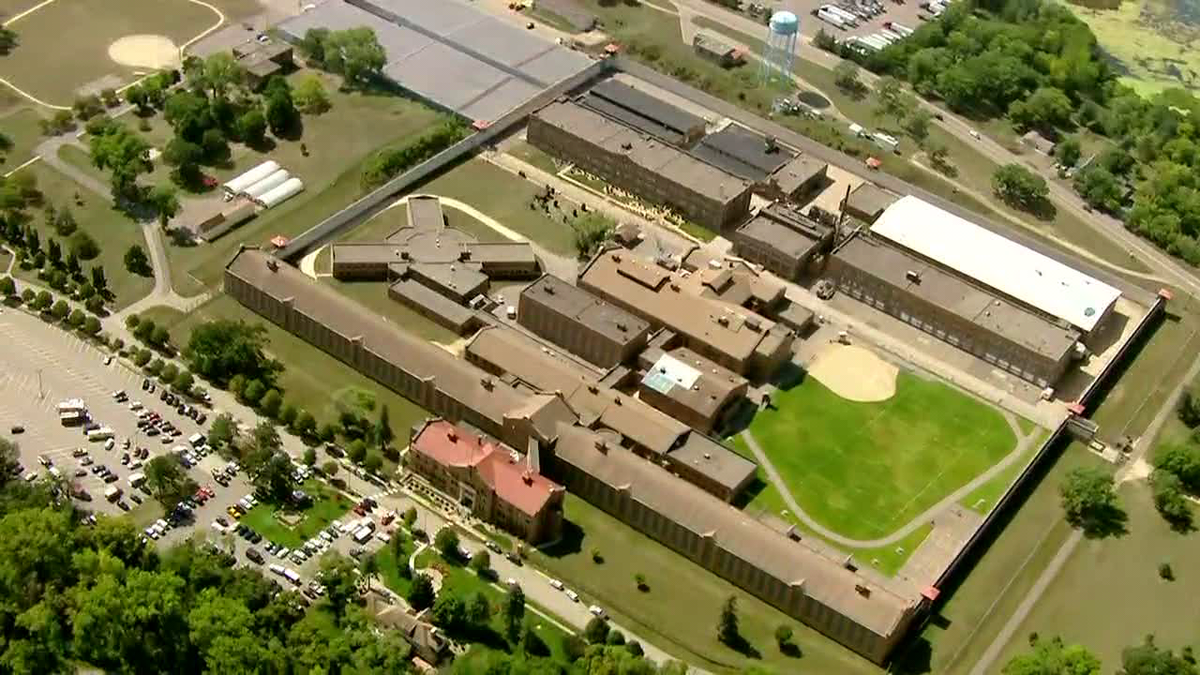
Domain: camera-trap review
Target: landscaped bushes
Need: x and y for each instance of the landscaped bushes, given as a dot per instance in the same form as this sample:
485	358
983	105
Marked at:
387	163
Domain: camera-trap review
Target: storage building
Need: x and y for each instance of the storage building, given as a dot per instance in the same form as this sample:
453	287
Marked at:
242	181
281	193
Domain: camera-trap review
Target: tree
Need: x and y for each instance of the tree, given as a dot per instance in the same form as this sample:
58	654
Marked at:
125	155
1090	502
1148	659
329	468
8	287
783	636
1019	187
43	301
87	107
99	281
54	252
1068	152
514	611
84	247
8	40
270	403
340	578
383	429
446	541
266	437
183	382
410	516
159	337
305	425
281	112
1052	657
615	638
64	222
449	612
478	611
164	199
1183	461
373	462
1169	499
727	625
214	145
138	97
168	481
1046	109
596	631
220	349
310	96
532	643
169	372
312	45
91	326
222	71
1099	188
420	593
252	127
357	451
185	156
481	562
917	124
272	473
891	99
354	53
846	76
639	580
222	432
60	310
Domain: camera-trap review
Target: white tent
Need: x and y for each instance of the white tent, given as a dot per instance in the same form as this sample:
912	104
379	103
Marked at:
290	188
251	177
267	184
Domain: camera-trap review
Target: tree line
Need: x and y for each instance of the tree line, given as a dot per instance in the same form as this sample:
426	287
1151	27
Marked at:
1035	64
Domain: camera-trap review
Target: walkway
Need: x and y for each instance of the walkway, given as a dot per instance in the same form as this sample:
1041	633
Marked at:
908	528
163	293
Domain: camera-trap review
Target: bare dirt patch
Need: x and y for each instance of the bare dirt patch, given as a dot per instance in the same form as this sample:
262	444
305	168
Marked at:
144	51
854	373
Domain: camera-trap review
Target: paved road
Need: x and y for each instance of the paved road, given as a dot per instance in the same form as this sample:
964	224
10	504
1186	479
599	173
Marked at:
932	512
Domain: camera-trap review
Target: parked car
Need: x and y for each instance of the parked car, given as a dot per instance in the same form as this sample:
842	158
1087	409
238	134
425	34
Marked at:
254	556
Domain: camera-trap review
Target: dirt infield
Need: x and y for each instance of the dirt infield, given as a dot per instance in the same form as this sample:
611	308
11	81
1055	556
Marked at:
854	373
144	51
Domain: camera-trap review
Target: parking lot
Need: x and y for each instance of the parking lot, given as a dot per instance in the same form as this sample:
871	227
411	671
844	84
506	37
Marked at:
43	366
907	13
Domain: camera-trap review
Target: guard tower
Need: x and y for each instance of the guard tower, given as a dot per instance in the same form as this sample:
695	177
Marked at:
780	51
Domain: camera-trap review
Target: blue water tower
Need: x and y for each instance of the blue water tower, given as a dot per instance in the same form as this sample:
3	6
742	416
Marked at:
780	51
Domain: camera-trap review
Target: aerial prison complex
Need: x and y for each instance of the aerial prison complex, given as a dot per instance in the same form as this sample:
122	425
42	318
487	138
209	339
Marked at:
1018	310
520	418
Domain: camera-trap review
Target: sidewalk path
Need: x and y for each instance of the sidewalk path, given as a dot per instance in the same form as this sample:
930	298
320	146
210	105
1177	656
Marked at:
929	514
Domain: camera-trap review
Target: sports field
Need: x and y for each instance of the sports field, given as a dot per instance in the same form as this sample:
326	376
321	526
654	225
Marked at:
865	469
64	45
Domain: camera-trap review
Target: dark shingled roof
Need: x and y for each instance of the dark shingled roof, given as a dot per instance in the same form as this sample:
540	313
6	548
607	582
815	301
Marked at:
742	152
638	109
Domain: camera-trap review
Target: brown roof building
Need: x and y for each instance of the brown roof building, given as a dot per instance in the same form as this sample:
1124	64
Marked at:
580	322
782	240
652	169
868	201
425	374
261	60
495	483
427	640
724	332
688	387
857	611
630	423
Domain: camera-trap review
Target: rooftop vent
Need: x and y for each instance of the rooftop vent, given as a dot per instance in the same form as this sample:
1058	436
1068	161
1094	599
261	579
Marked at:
452	436
273	264
723	320
486	382
616	257
549	290
527	477
707	455
617	400
593	389
862	590
621	326
674	286
601	445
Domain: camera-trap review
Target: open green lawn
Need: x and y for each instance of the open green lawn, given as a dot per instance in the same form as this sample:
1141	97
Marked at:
506	198
328	505
64	45
111	229
865	469
983	498
978	607
312	379
338	141
1109	595
679	613
767	500
527	153
22	128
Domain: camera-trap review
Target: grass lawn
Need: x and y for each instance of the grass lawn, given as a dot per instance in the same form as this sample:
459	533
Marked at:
328	505
887	560
81	159
21	126
387	222
338	141
978	607
1118	577
865	469
312	379
389	570
111	229
678	584
465	584
983	498
525	152
506	199
64	45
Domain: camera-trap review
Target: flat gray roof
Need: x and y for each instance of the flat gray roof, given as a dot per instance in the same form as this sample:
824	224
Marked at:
742	152
433	302
664	159
609	320
450	53
425	212
958	296
871	199
642	111
715	461
771	234
799	171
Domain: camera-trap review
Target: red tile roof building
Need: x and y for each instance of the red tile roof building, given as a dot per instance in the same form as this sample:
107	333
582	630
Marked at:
491	480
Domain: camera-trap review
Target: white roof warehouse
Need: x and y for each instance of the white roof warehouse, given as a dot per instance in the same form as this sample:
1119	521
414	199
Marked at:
1002	264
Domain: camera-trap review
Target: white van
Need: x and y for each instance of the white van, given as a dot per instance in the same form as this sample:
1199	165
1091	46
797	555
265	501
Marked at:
556	584
276	569
112	493
290	575
101	434
136	479
54	472
362	535
196	440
